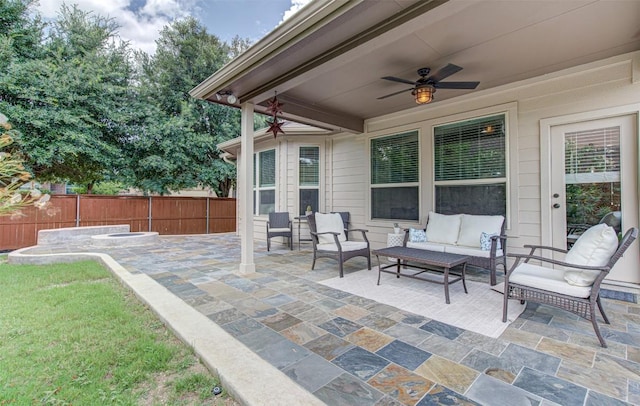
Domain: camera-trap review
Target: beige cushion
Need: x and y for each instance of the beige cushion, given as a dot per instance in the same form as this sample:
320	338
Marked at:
594	248
431	246
536	276
329	222
474	252
472	226
278	230
578	278
444	228
345	245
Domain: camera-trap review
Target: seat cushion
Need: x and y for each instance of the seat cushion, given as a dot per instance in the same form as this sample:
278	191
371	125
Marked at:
346	246
279	230
444	228
472	227
329	222
474	252
428	245
539	277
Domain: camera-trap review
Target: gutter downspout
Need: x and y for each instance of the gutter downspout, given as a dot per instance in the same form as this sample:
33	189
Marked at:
245	190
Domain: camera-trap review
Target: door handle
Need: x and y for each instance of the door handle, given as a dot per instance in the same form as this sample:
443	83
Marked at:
556	206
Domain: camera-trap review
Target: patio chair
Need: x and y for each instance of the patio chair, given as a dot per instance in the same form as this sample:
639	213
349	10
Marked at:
574	285
279	225
329	239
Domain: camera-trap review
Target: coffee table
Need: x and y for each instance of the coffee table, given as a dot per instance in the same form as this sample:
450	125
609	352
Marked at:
434	263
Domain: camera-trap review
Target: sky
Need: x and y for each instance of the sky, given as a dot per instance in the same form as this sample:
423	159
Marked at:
140	21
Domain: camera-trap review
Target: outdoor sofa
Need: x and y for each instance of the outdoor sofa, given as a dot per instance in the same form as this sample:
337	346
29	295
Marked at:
480	237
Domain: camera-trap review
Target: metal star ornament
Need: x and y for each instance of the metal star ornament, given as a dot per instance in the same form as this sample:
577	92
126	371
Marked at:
274	106
275	127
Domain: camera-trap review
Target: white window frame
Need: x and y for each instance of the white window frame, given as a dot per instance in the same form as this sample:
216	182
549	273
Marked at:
372	186
257	188
309	187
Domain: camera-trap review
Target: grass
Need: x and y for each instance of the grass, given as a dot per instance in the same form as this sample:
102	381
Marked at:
71	334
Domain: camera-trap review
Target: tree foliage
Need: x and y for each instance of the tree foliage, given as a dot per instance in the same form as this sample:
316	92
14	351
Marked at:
183	132
90	109
71	104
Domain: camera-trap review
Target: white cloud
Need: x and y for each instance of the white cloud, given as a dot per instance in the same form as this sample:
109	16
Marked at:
295	6
141	28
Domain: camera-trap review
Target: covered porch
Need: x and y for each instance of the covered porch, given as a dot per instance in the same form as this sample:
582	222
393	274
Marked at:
353	69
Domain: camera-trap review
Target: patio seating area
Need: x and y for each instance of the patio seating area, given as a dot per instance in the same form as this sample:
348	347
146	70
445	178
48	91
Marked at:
345	349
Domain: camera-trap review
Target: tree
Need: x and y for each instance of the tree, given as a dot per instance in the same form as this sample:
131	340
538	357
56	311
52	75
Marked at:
177	147
73	105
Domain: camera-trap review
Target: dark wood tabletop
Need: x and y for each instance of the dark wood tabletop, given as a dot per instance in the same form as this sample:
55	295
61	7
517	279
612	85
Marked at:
442	259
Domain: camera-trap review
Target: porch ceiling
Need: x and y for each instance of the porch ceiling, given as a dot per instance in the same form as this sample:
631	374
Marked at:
326	62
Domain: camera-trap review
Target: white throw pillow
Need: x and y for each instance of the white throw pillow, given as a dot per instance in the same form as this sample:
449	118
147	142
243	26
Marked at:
329	222
594	248
472	227
444	228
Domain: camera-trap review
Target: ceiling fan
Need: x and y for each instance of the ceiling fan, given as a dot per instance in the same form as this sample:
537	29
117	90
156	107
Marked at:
424	88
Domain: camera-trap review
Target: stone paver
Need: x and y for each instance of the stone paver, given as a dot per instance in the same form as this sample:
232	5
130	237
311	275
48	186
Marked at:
345	349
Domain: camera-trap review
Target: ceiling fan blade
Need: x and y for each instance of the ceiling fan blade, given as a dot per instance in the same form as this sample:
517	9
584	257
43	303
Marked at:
400	80
447	71
393	94
456	85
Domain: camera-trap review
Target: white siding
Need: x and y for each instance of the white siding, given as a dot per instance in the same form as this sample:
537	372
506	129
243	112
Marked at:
345	157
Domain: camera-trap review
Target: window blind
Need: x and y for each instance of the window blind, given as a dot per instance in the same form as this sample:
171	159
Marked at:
394	159
592	156
309	166
268	168
473	149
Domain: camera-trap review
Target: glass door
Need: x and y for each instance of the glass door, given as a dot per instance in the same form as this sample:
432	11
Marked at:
594	180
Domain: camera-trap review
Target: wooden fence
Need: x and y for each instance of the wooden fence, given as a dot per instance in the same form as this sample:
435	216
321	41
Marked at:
164	214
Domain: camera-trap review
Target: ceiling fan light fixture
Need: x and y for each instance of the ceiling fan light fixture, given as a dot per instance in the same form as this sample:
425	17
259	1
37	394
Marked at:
424	94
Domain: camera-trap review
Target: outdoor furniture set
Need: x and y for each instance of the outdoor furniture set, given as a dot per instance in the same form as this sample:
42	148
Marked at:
449	243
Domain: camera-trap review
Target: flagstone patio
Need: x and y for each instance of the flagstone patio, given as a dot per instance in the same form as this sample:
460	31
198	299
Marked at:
349	350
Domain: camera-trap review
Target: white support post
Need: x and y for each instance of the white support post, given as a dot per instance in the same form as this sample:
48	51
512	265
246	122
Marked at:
245	190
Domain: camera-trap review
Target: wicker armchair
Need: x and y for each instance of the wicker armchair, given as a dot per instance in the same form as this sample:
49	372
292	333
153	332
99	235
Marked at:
279	225
329	240
554	287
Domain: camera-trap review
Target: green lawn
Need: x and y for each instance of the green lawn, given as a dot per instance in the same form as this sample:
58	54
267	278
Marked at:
71	334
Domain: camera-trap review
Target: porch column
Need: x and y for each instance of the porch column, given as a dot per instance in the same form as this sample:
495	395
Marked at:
245	190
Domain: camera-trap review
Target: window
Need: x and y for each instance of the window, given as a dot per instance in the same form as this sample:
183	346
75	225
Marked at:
592	174
470	167
264	193
309	178
395	177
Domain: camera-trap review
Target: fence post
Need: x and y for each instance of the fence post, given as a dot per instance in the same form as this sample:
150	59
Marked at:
207	232
150	202
78	210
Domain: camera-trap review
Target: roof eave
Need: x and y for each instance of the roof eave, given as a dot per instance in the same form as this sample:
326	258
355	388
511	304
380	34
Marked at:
309	19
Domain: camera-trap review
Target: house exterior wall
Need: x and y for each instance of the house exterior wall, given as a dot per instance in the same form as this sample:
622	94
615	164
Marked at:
606	84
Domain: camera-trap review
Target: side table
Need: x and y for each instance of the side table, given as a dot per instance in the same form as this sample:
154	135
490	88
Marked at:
300	219
394	240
